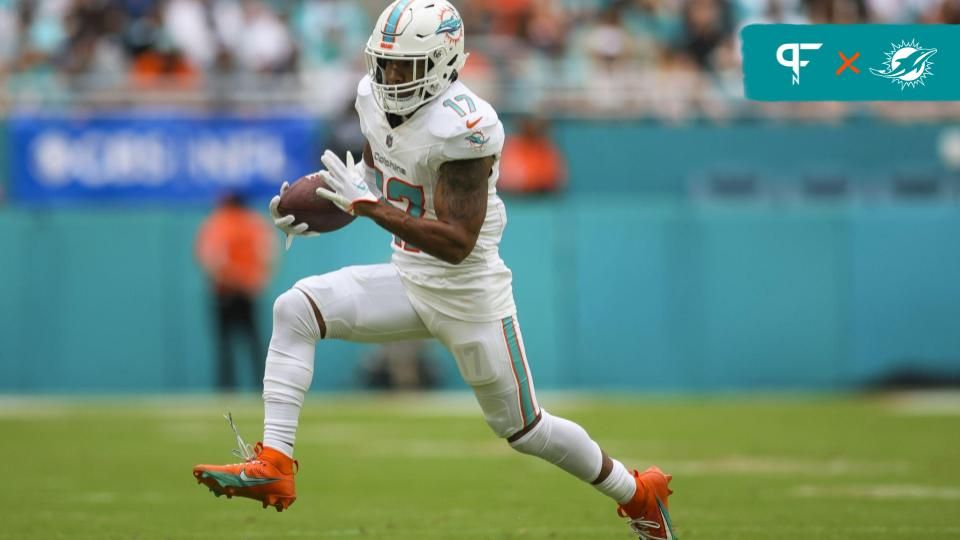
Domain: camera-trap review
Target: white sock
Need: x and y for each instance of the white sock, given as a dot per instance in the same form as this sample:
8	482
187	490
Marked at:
563	443
289	369
619	485
280	426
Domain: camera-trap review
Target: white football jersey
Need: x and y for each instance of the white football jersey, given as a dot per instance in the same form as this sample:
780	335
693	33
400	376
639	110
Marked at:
456	125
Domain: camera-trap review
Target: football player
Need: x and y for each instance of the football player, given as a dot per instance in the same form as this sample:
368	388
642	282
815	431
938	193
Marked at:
428	175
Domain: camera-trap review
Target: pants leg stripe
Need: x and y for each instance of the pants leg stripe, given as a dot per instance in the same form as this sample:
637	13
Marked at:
526	367
527	408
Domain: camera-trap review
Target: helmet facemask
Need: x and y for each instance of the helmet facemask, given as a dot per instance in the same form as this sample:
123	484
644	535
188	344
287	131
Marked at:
404	98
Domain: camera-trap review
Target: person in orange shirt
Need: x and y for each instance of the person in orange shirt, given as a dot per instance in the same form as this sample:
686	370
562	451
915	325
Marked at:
159	69
236	247
530	162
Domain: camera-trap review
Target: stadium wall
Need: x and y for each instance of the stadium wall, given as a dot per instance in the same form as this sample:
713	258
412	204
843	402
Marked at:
633	291
677	161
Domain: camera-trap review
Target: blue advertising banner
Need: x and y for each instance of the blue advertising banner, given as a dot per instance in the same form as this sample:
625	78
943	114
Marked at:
169	158
855	62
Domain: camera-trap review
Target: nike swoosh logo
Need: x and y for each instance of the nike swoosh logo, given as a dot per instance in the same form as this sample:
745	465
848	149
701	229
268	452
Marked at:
475	122
254	481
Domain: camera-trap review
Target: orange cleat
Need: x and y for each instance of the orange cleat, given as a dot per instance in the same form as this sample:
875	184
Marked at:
648	513
266	477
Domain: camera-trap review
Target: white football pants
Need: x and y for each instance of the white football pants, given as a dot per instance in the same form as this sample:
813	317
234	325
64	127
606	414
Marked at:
369	304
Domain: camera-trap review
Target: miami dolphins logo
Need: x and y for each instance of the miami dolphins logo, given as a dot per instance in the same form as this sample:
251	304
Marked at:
477	139
451	26
908	64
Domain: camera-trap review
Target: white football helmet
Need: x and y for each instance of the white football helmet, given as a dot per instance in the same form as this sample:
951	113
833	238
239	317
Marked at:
428	33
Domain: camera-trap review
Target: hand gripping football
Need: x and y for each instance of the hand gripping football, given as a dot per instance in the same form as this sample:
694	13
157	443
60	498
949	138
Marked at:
320	215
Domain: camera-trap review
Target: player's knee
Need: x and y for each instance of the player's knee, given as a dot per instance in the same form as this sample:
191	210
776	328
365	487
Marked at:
293	310
500	411
501	424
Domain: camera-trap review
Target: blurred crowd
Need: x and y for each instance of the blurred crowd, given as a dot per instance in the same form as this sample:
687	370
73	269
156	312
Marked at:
670	60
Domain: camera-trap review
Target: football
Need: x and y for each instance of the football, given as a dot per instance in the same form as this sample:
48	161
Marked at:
301	200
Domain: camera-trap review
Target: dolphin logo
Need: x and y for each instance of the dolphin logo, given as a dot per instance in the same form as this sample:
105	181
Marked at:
907	64
449	26
477	139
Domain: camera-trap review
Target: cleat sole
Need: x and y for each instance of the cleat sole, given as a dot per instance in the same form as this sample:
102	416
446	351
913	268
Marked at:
278	502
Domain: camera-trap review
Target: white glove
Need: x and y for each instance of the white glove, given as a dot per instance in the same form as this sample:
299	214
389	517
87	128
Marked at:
285	223
347	184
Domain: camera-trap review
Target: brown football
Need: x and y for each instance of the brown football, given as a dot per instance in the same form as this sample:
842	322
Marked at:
320	215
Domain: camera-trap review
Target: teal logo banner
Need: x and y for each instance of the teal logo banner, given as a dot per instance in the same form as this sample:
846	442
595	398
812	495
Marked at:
856	62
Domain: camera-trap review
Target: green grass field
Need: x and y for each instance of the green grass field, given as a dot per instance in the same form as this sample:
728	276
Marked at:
413	467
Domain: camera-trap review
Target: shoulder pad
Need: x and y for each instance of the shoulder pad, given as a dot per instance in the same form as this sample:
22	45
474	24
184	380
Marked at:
363	102
364	88
458	112
467	125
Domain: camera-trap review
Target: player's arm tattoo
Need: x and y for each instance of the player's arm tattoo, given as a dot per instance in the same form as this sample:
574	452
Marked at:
460	201
461	195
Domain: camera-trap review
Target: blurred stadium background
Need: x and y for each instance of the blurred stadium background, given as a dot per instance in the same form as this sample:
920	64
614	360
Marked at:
742	258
